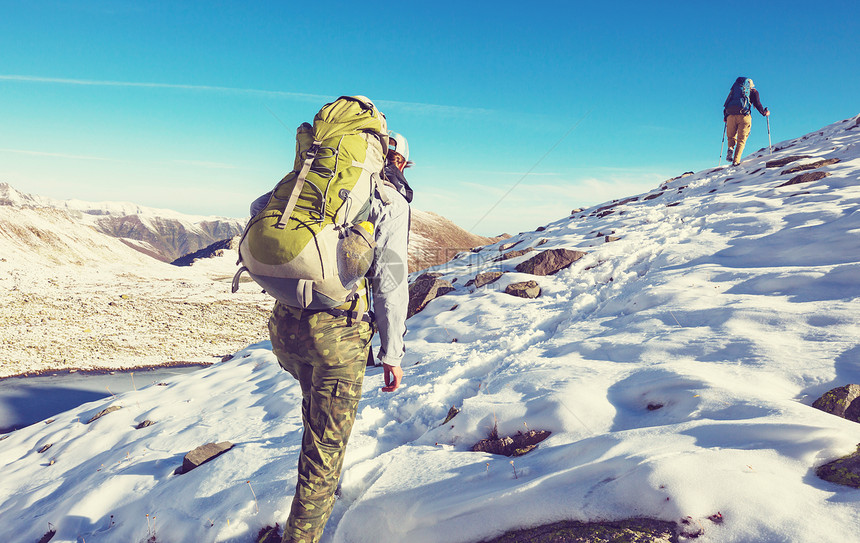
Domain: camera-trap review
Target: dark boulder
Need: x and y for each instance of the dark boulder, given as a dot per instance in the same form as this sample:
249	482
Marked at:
842	471
525	289
549	262
779	163
842	402
426	288
637	530
484	278
810	166
805	178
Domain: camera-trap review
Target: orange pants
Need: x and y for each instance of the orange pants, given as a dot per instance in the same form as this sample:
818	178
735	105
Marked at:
737	131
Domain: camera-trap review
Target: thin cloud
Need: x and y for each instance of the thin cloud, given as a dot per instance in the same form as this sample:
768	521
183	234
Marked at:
149	85
415	107
56	155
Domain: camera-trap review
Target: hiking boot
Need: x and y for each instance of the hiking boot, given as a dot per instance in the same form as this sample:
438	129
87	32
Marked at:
729	155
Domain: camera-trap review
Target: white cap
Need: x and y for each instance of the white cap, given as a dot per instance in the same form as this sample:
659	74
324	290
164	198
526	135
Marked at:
397	143
752	85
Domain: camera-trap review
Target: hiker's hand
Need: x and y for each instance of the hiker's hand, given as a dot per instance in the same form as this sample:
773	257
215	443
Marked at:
766	112
393	376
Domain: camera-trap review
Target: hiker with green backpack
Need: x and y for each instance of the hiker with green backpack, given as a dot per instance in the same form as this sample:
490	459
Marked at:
736	116
332	225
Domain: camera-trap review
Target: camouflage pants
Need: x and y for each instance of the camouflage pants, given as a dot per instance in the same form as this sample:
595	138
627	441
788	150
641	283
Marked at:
327	356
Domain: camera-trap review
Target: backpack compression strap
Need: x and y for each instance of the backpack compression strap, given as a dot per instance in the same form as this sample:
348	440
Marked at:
300	183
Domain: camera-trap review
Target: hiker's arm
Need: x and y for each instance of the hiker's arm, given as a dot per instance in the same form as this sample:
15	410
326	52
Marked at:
756	101
388	278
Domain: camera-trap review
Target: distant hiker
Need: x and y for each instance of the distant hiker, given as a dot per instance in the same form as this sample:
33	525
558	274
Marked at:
736	115
333	206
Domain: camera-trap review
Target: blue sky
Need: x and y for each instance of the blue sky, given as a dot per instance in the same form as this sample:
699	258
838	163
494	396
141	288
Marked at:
192	105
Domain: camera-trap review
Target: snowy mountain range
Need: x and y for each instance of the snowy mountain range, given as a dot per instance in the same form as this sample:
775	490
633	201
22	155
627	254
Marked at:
170	236
674	364
159	233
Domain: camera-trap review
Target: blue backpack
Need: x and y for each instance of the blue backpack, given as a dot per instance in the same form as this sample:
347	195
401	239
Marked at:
738	102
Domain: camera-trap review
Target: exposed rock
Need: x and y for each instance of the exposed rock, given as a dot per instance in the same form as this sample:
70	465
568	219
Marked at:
525	289
577	210
201	455
45	448
805	178
505	246
673	204
451	414
541	242
683	175
514	254
104	412
779	163
425	289
48	536
842	471
608	239
841	402
484	278
540	228
144	424
269	534
515	445
550	261
810	166
652	196
637	530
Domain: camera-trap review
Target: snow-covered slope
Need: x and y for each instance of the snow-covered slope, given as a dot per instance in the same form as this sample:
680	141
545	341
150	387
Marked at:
728	305
160	233
77	298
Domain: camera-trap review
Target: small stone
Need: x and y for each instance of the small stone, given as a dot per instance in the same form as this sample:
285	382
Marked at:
144	424
45	448
201	455
513	445
525	289
505	246
104	412
451	414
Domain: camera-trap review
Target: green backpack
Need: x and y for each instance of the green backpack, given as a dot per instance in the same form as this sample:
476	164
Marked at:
311	246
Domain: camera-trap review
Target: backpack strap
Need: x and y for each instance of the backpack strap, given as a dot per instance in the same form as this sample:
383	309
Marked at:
300	183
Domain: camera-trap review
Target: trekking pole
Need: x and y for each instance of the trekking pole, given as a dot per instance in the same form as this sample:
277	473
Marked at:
769	146
720	159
